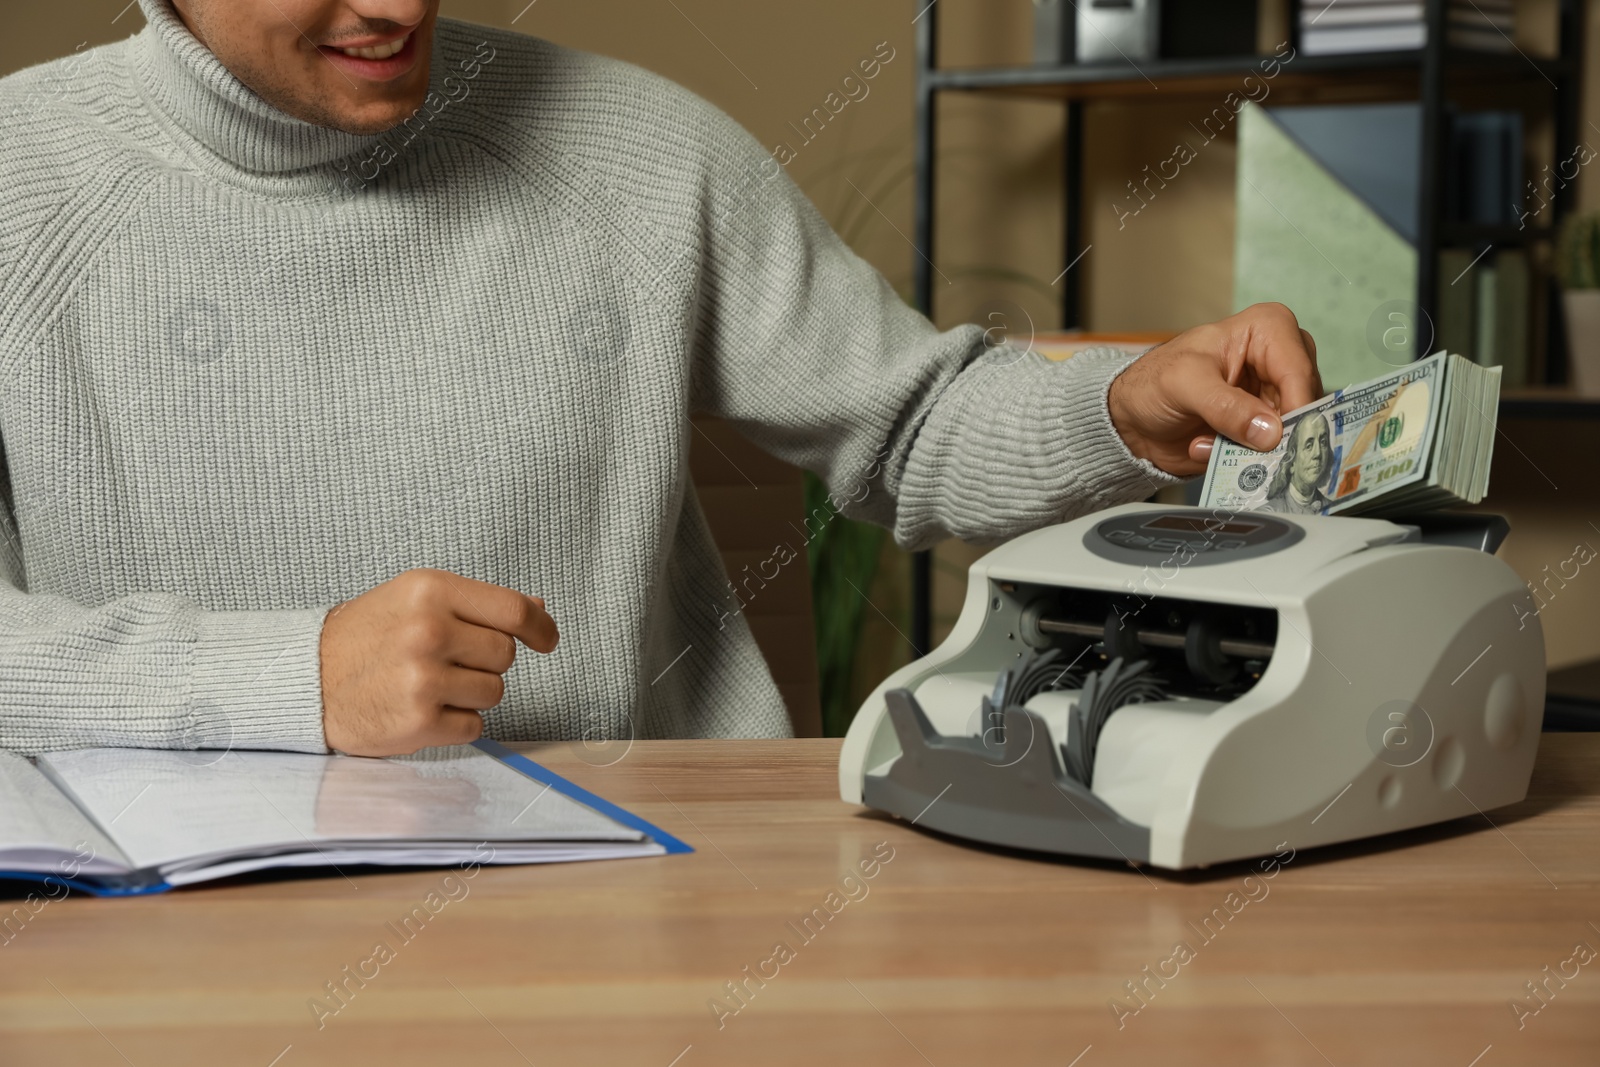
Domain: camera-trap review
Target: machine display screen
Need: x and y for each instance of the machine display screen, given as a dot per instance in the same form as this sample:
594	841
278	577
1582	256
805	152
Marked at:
1186	537
1196	524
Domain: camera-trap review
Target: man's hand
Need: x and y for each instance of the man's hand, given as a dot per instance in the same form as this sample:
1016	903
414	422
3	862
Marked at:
1233	377
410	663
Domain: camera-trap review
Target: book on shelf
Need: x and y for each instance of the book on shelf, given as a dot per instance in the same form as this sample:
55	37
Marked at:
1328	13
1513	294
1484	322
1339	27
1484	177
1484	309
1457	318
1054	32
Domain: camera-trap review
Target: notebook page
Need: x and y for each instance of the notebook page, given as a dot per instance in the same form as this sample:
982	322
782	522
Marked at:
170	807
42	831
334	856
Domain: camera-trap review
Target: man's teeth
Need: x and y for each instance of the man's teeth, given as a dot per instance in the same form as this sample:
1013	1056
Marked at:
380	51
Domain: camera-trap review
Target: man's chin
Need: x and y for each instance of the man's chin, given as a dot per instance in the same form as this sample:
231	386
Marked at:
365	123
358	117
367	129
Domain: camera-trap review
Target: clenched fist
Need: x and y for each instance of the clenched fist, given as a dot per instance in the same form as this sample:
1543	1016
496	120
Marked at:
412	662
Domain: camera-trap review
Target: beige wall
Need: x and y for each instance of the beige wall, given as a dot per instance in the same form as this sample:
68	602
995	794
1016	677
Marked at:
769	64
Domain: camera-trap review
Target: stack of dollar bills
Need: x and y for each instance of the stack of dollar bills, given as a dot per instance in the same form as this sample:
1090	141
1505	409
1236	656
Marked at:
1417	439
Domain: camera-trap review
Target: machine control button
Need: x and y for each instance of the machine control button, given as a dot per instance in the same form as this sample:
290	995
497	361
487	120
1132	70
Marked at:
1503	712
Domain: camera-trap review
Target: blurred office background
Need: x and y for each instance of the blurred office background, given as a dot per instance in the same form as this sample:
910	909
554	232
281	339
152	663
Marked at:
1156	255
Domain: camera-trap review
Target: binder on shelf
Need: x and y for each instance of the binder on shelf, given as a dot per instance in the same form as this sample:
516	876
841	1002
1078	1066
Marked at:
1513	317
1484	336
1195	29
1055	24
1485	309
1458	300
1484	180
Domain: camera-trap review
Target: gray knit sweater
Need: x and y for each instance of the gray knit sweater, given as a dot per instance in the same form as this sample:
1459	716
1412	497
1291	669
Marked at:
254	367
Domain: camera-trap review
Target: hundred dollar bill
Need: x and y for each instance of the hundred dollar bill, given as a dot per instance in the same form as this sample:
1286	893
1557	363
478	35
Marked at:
1419	437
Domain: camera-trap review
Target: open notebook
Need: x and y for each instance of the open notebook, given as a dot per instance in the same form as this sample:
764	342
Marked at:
120	821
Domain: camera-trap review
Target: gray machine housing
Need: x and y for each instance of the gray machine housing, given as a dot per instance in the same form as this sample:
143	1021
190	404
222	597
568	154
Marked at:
1327	679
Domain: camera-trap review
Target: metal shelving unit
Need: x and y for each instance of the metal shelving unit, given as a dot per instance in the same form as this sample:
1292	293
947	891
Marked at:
1201	76
1428	75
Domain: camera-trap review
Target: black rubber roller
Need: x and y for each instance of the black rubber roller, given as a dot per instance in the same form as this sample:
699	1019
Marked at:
1202	652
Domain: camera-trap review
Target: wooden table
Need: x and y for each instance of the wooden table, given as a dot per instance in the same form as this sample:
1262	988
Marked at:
1408	950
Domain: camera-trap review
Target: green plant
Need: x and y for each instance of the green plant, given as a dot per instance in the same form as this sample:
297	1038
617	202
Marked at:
844	560
1578	252
845	555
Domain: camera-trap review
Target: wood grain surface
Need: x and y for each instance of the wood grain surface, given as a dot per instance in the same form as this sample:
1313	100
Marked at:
1411	949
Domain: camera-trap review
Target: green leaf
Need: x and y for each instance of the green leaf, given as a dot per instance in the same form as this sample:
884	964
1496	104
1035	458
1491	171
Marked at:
844	558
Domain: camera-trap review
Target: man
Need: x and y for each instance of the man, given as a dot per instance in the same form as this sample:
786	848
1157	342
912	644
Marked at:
1296	484
346	348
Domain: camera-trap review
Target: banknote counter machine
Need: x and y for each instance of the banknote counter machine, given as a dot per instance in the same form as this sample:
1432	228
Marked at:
1166	686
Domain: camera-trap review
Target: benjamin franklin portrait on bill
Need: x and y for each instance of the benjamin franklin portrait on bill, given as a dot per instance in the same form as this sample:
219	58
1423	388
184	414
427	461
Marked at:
1306	459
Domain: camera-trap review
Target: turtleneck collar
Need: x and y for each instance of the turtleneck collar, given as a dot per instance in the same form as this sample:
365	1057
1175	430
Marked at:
189	84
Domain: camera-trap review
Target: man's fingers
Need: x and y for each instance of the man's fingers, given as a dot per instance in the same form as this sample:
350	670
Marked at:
457	726
496	607
533	626
1310	343
1241	416
1284	355
1317	391
1293	371
1312	381
473	690
480	648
